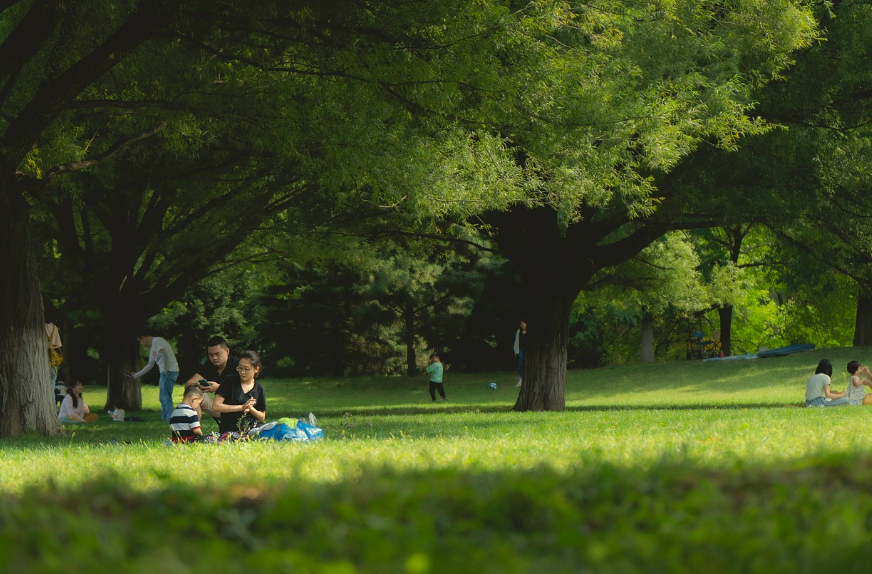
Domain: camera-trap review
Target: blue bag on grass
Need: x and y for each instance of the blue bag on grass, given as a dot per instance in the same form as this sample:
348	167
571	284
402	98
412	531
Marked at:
314	433
301	432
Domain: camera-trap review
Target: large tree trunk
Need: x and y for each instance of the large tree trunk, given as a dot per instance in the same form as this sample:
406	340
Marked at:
124	357
26	397
555	260
863	324
725	314
548	301
647	350
552	273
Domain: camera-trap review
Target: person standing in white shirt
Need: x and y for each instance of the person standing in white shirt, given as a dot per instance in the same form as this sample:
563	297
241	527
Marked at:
161	354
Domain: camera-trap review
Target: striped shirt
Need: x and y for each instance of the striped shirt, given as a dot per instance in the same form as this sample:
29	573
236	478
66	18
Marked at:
183	422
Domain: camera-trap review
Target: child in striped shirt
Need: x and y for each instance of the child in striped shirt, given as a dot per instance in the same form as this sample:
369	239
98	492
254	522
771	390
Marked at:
184	422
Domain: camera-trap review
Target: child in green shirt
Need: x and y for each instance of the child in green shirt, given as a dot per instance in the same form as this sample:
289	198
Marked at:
435	372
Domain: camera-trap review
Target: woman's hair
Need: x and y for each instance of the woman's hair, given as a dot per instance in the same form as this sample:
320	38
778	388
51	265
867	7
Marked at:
70	392
825	367
853	366
252	356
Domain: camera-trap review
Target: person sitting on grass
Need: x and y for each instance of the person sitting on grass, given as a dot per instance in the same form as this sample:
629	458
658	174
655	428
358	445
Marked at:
220	365
117	414
817	390
241	400
73	407
184	422
435	372
860	377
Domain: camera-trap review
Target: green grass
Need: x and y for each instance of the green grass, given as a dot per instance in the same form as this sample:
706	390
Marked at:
673	467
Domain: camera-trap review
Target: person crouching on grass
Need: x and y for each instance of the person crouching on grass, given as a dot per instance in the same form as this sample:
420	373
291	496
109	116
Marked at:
184	422
860	377
435	372
73	407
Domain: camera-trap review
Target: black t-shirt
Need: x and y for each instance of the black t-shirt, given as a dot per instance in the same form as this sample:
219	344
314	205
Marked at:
523	340
210	372
231	390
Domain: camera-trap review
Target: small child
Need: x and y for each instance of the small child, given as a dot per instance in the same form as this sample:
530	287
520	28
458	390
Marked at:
73	408
860	376
184	422
117	414
435	372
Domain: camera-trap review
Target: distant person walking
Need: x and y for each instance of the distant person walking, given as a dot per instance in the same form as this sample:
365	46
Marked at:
817	390
521	341
435	372
161	354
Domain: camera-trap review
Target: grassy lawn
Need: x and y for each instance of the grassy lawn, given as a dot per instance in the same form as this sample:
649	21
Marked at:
674	467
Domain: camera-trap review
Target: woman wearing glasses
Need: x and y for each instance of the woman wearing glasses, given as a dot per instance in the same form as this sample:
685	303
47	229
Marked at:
241	397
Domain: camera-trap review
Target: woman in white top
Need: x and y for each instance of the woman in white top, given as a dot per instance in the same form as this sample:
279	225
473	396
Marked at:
73	407
817	389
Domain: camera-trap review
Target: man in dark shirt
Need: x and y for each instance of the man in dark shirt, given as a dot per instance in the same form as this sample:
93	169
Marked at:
220	367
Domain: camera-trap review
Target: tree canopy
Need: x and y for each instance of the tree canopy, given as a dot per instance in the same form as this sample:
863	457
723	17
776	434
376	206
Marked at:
545	123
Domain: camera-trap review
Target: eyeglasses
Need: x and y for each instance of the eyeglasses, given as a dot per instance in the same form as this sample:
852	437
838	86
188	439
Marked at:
244	369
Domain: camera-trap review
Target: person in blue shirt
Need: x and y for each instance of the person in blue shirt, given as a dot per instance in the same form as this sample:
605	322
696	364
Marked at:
435	372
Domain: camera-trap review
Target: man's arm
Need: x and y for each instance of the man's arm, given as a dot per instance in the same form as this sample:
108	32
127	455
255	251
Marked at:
146	368
195	380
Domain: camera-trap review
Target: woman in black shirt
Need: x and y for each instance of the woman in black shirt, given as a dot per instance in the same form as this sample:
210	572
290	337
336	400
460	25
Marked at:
241	397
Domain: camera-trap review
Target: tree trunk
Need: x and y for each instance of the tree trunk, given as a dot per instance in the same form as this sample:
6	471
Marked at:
26	397
555	260
124	392
863	324
411	357
725	314
647	351
735	237
123	357
549	300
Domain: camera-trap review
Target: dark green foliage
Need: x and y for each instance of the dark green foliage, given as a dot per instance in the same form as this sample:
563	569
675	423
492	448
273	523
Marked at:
315	323
482	339
377	307
220	305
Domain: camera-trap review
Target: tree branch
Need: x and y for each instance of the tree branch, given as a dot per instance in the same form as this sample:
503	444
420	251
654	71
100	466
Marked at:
100	158
28	36
145	21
